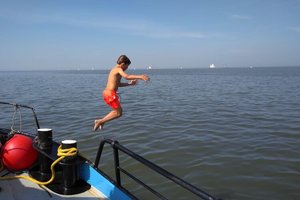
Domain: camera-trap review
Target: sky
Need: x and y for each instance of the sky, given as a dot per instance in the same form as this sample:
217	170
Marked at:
92	34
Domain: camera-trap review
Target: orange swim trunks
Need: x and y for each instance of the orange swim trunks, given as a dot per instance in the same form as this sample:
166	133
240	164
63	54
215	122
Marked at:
111	98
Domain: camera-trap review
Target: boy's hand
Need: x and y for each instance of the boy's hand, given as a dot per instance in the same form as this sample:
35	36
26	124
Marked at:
133	82
145	77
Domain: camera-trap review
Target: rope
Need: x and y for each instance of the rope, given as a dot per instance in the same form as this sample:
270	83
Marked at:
17	109
62	153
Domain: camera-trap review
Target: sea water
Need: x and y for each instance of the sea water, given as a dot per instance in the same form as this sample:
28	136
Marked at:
233	132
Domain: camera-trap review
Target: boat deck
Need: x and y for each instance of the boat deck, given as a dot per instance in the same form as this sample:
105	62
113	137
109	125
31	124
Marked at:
21	189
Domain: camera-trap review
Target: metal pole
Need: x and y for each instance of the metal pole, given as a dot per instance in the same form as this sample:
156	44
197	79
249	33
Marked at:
117	163
100	149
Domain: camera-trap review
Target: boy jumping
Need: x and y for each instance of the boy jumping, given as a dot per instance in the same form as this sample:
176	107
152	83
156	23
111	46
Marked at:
110	92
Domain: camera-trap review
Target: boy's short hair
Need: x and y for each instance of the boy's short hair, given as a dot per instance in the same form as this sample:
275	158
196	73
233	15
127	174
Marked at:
123	59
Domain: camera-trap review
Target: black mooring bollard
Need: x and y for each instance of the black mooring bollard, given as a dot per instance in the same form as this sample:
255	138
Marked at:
70	169
45	145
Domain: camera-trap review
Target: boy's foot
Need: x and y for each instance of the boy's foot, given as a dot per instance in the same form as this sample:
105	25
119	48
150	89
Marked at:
98	126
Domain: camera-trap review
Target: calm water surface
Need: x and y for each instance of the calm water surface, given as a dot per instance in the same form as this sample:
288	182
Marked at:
233	132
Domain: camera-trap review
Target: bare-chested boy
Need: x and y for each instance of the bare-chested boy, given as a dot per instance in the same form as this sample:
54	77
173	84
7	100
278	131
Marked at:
110	92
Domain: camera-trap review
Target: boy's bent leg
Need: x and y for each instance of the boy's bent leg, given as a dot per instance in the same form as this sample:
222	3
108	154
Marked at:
115	113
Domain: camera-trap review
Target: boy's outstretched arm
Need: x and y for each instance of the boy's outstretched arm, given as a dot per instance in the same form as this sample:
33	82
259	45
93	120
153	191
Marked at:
130	83
143	77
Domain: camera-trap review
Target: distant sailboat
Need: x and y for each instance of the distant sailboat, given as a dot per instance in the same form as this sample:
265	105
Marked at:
212	66
149	67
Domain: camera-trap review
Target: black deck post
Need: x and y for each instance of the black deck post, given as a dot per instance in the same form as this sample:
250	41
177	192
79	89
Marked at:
99	152
117	163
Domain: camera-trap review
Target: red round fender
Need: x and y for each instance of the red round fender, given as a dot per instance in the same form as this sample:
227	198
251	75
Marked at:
18	153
